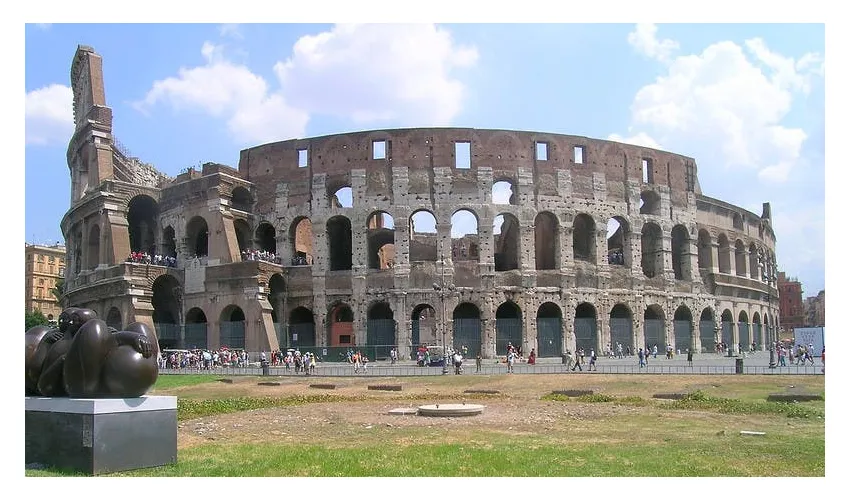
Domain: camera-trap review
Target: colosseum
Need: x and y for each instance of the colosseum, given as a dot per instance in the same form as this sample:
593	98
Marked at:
405	237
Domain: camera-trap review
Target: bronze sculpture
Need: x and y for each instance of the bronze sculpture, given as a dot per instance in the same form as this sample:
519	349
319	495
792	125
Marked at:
84	358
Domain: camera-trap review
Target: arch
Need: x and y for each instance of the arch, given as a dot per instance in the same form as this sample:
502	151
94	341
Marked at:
726	326
243	236
93	247
651	250
740	258
465	243
619	238
113	318
339	243
232	327
198	234
240	199
706	330
301	328
342	197
650	203
166	300
723	254
683	328
142	216
621	325
466	328
550	328
584	238
423	327
680	245
547	241
169	243
737	221
584	326
301	236
653	328
508	327
503	192
754	262
743	331
423	236
380	330
266	237
756	337
196	329
341	325
380	236
704	254
505	242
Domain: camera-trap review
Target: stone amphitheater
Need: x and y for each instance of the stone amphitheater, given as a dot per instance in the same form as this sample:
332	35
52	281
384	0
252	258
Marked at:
404	237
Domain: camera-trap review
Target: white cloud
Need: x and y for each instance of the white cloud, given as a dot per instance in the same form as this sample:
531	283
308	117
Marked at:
378	72
644	40
639	139
49	115
231	30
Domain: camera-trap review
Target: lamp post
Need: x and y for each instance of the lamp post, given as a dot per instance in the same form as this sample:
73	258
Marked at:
442	290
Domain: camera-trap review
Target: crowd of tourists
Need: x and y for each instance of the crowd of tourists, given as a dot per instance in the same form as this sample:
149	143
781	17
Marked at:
616	257
156	259
263	255
203	359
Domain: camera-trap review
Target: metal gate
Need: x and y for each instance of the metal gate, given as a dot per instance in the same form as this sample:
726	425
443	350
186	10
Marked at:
507	330
381	334
467	332
744	335
196	336
726	333
682	335
232	334
549	337
757	335
414	333
653	333
706	335
302	335
168	335
585	330
621	332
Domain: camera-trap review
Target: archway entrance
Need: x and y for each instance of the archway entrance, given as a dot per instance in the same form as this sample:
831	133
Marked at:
621	328
585	327
196	329
550	337
232	328
466	328
508	327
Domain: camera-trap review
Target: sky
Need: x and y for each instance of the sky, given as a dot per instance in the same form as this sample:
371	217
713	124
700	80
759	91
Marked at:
745	100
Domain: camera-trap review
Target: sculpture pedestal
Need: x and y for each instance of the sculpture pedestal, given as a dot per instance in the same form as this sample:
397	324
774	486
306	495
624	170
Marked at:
98	436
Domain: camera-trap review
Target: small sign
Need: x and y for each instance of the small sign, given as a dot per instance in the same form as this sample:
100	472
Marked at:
324	352
295	337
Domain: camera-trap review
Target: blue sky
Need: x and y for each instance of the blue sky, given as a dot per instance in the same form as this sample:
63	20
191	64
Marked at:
745	100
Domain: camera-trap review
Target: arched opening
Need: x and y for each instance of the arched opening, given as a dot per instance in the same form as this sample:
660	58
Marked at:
744	338
550	328
704	255
266	238
166	301
726	328
706	330
756	340
198	234
78	252
277	295
464	236
466	328
618	236
723	250
341	326
342	198
301	236
585	327
584	238
232	327
339	243
754	262
653	328
652	251
546	241
113	318
380	236
169	245
94	247
682	331
423	237
508	327
423	328
650	203
503	193
681	250
505	242
196	329
740	258
142	214
380	330
241	199
302	330
622	332
243	237
738	222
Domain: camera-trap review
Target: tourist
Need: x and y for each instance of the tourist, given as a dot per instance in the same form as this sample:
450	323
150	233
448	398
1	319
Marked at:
592	366
478	363
532	357
690	358
510	360
641	358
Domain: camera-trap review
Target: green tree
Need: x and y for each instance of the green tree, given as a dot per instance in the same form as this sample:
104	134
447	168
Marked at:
35	318
58	289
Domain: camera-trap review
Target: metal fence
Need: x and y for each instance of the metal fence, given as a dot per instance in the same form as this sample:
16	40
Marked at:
621	333
549	337
585	331
706	335
508	330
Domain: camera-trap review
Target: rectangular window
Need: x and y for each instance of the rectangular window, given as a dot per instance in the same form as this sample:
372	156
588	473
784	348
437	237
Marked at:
462	155
52	259
379	150
542	151
578	155
302	158
690	178
646	165
345	339
62	271
41	258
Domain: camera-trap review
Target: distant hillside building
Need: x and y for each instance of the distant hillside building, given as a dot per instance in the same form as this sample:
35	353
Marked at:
815	309
44	266
790	303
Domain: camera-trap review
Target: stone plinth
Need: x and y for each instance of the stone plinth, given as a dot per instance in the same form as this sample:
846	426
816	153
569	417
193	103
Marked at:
450	410
98	436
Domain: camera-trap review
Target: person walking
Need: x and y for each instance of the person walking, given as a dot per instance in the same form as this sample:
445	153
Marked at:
592	365
478	364
641	358
690	358
578	361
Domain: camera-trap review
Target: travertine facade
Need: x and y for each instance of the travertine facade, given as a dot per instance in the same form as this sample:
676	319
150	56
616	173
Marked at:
567	241
44	266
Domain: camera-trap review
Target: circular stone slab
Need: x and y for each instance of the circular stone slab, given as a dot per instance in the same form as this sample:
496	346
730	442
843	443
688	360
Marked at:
403	411
450	410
